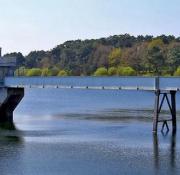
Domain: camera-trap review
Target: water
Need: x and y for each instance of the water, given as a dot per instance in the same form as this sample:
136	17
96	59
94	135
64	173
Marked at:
81	81
87	132
148	82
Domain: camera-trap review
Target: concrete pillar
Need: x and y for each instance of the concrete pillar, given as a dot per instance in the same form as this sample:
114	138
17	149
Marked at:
9	99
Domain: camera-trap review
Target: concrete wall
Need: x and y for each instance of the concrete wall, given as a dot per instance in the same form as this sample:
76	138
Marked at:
7	67
9	99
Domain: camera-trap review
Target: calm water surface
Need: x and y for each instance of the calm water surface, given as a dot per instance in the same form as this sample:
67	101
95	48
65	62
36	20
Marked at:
87	132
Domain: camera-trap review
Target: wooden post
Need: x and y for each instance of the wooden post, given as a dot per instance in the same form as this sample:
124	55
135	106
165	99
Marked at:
156	111
173	107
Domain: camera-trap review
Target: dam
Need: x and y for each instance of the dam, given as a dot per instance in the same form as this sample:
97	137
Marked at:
12	90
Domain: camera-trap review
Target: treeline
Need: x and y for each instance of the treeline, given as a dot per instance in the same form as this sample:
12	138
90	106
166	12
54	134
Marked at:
115	55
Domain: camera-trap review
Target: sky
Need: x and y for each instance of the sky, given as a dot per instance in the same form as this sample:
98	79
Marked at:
27	25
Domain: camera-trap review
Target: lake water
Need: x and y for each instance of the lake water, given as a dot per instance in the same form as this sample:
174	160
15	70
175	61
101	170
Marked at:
88	132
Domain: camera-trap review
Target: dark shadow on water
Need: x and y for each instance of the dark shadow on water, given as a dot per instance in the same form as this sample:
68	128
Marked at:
171	157
11	149
7	126
125	115
9	133
104	117
15	139
144	115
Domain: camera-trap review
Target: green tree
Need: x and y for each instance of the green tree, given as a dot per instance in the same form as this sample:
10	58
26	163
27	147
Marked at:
145	54
126	71
34	72
156	60
135	57
115	57
155	43
112	71
21	71
102	71
177	72
45	72
62	73
54	71
173	58
155	56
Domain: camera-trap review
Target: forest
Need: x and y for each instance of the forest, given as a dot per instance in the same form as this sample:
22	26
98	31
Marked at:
118	55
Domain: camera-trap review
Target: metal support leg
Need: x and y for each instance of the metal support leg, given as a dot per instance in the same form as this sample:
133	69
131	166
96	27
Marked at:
156	112
158	106
173	107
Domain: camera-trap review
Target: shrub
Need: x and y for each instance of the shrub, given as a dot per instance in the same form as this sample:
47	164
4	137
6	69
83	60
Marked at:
50	72
177	73
126	71
45	72
148	74
112	71
54	71
102	71
62	73
34	72
21	71
155	43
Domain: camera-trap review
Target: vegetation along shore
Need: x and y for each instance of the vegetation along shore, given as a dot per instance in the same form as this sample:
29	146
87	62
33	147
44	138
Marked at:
119	55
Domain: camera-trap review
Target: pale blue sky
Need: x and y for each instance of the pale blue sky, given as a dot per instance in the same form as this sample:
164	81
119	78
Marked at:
27	25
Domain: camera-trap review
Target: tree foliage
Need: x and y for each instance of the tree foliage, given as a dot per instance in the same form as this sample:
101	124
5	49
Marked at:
21	71
126	71
45	72
144	54
102	71
173	58
62	73
34	72
177	72
115	57
155	43
155	60
112	71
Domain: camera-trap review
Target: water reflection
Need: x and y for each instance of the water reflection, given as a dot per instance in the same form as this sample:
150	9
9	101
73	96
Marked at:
171	158
9	133
7	137
11	146
7	126
173	151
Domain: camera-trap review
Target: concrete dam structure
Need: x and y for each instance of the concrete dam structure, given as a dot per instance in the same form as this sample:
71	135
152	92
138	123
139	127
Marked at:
12	90
9	97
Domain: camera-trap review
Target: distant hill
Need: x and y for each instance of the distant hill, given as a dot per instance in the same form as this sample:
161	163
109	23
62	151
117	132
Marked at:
144	54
